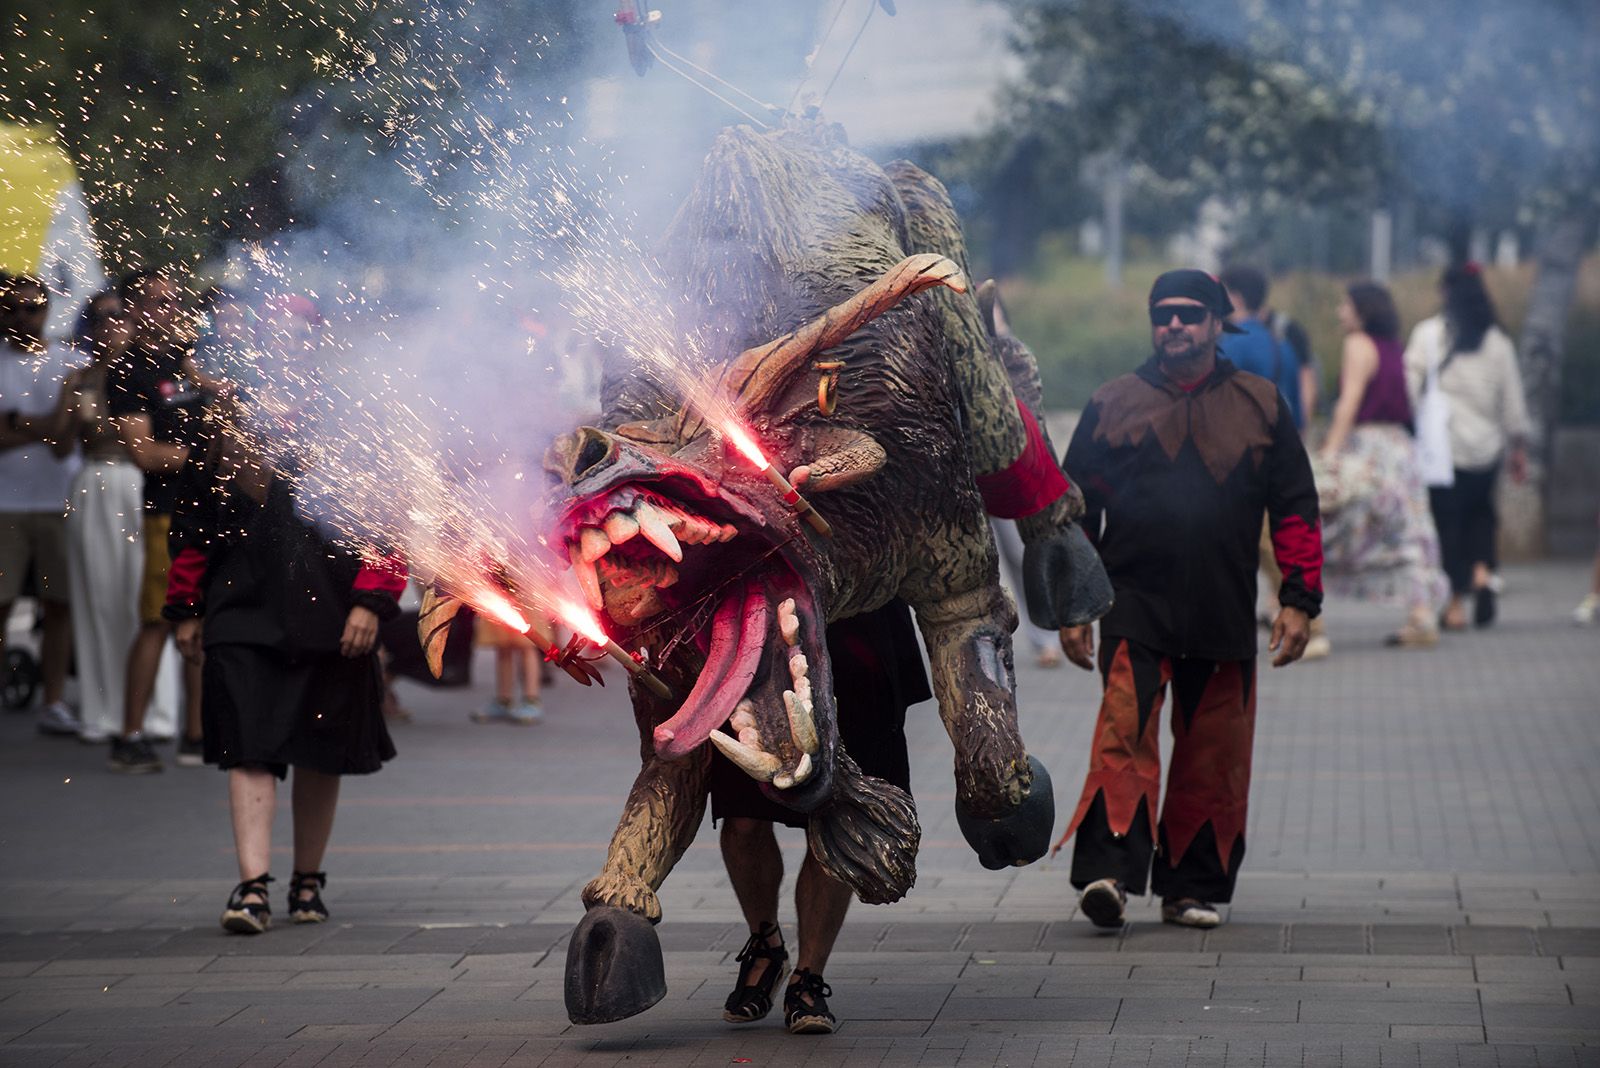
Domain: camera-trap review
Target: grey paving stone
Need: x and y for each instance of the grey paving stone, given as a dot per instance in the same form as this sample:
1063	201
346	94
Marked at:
1207	1011
1333	1010
1506	941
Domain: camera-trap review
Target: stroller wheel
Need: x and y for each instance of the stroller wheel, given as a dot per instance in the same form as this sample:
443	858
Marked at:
20	681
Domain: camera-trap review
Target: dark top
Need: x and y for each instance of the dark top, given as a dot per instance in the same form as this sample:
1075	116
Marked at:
1180	480
1385	399
152	381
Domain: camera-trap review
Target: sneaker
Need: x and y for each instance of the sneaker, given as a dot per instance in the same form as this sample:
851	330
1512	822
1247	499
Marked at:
1588	608
526	711
133	757
1103	901
190	754
57	718
805	1005
495	711
1187	912
93	736
1049	657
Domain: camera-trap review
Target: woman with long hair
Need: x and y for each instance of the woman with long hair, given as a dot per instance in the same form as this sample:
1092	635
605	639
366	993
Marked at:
1475	365
1378	540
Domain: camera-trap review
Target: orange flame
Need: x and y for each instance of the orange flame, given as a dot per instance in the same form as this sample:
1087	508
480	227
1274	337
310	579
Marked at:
745	444
499	608
581	620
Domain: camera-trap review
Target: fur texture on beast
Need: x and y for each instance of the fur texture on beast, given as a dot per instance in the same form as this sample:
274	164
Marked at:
833	299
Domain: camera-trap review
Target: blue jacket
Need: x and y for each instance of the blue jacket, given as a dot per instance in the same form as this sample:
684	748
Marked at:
1258	352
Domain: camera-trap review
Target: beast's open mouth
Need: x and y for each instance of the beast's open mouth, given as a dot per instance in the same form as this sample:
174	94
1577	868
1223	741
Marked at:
668	554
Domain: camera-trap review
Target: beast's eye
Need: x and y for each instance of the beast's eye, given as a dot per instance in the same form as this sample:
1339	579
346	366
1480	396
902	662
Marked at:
593	450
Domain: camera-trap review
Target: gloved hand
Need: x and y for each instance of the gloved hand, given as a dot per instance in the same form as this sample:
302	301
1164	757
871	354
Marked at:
1063	581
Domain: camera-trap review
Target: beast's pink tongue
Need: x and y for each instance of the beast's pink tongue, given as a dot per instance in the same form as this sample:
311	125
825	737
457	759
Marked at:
738	637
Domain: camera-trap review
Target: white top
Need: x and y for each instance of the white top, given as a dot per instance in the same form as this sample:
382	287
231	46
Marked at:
1487	406
32	479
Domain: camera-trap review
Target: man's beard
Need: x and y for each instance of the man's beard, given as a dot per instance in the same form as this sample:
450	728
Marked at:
1188	353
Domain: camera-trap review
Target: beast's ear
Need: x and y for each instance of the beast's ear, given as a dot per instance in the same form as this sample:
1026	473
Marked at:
994	312
433	626
658	433
840	457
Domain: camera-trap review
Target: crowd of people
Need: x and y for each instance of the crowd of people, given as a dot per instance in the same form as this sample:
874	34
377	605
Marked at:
146	525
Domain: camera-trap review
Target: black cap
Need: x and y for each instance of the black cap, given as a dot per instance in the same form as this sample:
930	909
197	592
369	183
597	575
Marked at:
1196	285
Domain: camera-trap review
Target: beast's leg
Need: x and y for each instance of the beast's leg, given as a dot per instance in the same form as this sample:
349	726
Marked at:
1003	799
614	965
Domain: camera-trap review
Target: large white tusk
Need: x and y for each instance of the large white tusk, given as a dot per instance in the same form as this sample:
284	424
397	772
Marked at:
802	770
788	621
594	543
653	525
620	526
759	766
802	726
587	578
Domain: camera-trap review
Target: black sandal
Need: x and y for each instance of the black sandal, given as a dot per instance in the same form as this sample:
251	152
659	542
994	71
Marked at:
750	1002
307	910
248	917
813	1018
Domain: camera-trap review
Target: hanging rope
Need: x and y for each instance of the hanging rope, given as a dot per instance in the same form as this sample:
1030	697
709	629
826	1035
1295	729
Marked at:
661	51
821	44
872	6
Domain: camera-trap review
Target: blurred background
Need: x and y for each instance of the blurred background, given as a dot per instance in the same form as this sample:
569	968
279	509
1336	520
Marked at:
391	156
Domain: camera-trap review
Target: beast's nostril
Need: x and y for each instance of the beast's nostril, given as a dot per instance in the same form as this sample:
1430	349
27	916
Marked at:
591	453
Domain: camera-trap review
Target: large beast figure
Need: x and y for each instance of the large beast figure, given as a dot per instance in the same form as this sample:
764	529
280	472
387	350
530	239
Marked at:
837	326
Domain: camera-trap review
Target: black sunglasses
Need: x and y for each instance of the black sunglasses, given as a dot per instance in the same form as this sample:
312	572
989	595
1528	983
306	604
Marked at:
1188	314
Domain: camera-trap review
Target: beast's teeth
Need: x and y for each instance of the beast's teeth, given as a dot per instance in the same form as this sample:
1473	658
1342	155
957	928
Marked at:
689	532
758	765
750	736
669	575
783	781
788	621
802	770
653	525
594	543
728	532
709	531
802	727
744	715
587	578
647	605
799	667
620	526
802	690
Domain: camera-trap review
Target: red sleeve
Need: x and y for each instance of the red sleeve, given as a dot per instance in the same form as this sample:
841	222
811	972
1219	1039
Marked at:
384	574
184	577
1031	483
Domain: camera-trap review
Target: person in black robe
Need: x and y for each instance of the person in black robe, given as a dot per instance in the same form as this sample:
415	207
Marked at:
286	622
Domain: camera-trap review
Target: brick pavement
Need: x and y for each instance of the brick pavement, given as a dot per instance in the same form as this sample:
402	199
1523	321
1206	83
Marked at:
1422	887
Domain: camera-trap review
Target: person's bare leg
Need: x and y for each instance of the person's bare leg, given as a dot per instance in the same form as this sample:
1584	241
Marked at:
821	902
1481	575
530	673
191	700
755	868
315	797
55	649
504	674
252	798
144	659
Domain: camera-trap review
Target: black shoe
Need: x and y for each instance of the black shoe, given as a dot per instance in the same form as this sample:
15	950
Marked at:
248	917
1484	608
135	757
805	1005
1103	902
304	909
750	1002
189	753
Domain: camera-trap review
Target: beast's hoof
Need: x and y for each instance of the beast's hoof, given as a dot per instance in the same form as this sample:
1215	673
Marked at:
1020	838
614	967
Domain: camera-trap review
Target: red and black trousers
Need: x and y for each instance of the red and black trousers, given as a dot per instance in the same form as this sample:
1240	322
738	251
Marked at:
1198	841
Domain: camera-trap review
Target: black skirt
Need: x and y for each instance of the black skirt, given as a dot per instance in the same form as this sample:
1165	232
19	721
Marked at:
320	711
877	675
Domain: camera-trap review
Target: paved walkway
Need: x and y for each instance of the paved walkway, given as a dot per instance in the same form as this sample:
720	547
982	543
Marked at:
1422	888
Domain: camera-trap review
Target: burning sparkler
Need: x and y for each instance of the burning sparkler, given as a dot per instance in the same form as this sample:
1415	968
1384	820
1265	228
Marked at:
791	496
585	624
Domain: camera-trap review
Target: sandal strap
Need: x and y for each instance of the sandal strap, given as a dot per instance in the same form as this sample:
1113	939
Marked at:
258	885
302	880
809	982
752	1001
757	946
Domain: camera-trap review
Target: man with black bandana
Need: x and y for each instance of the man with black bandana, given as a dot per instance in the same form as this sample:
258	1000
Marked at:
1177	462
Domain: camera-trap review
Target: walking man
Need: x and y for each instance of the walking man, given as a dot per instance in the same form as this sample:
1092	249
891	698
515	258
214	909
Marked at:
1177	462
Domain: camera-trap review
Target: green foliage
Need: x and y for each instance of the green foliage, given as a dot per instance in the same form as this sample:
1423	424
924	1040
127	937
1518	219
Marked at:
1084	336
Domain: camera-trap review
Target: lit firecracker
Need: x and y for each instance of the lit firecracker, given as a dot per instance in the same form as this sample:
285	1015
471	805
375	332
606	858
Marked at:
498	606
791	496
586	628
